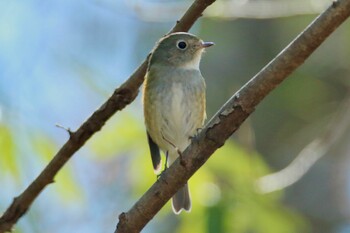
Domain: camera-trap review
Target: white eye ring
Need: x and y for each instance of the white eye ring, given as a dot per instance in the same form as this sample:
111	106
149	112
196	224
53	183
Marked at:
181	44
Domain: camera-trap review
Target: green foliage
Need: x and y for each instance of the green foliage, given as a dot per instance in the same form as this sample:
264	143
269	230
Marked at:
321	94
230	201
8	162
65	186
125	135
119	135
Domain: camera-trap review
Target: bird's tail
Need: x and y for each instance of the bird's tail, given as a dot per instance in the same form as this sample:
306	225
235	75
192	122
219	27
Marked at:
182	200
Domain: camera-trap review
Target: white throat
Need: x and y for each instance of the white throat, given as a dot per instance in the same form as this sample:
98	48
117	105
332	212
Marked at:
193	64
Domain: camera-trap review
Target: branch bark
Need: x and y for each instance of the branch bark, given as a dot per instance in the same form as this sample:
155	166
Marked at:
227	120
121	97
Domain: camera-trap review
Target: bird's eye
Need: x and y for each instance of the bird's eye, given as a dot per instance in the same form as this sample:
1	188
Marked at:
181	44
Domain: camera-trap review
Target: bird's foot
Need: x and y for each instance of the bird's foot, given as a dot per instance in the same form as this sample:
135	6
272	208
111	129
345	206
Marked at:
165	165
195	136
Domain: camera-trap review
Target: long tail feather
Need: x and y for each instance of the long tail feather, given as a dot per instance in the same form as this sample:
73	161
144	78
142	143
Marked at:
182	200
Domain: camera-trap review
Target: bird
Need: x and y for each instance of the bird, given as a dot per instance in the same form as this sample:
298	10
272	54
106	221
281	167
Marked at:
174	102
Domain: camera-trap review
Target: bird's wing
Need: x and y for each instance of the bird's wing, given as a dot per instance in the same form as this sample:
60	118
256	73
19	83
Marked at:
155	154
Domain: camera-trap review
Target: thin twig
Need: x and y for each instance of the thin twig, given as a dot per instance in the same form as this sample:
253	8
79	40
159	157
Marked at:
68	130
231	116
121	97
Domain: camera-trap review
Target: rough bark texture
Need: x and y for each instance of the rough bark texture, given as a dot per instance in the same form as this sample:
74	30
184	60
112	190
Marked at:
231	116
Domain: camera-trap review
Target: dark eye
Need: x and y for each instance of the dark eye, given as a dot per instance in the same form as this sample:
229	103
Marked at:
181	44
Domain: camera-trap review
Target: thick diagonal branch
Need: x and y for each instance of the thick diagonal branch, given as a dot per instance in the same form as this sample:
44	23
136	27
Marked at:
121	97
231	116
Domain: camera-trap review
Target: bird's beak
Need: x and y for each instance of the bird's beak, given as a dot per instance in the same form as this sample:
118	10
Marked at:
207	44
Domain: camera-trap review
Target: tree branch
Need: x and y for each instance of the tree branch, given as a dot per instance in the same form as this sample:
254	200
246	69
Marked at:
121	97
231	116
157	11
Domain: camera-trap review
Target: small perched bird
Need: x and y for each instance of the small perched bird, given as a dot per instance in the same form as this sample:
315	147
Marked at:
174	101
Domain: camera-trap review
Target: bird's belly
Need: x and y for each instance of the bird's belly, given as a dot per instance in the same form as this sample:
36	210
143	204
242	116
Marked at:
180	116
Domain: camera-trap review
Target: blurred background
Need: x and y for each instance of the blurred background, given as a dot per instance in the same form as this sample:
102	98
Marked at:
285	170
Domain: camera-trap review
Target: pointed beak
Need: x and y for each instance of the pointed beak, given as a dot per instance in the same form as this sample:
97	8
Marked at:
207	44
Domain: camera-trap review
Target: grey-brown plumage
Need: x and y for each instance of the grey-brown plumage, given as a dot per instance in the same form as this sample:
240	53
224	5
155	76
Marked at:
174	101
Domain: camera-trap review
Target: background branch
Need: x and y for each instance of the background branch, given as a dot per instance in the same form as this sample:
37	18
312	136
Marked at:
310	154
263	9
121	97
231	116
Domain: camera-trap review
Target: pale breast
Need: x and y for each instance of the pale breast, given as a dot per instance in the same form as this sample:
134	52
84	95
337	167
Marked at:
178	109
184	114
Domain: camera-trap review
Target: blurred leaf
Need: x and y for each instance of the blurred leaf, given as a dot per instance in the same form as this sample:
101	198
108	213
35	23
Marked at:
141	170
296	93
216	216
8	161
225	199
247	210
120	134
66	186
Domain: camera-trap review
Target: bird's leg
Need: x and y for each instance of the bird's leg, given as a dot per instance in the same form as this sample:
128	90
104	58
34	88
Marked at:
165	165
182	162
166	161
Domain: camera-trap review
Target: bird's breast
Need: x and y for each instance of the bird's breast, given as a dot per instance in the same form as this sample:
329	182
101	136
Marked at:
182	113
176	108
